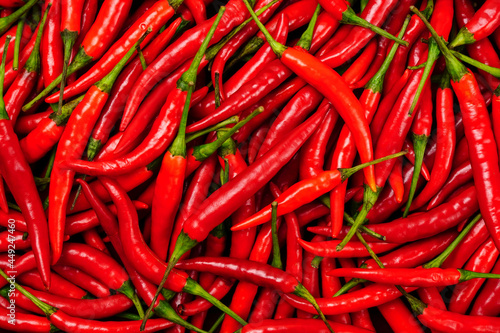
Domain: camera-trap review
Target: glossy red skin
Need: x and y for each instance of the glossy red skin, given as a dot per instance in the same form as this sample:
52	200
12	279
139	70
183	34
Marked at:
25	37
18	92
28	123
83	280
51	54
19	178
399	317
154	18
486	304
485	21
24	322
297	325
58	285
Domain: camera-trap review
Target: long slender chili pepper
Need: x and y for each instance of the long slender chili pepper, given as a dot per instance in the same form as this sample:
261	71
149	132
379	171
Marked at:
168	191
51	47
479	134
446	138
25	322
315	73
71	146
461	175
17	174
139	253
262	274
297	325
27	78
482	24
306	191
83	280
109	21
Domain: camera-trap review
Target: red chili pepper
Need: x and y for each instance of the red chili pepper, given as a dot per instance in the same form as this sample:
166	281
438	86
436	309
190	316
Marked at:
460	176
118	96
110	18
396	180
296	325
13	16
446	138
482	24
479	134
486	303
71	146
359	67
17	174
27	78
399	317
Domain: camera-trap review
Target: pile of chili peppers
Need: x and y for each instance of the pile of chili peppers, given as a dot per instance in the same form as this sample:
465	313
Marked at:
193	165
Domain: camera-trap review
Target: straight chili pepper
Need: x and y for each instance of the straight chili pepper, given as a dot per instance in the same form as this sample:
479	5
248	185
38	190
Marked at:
110	18
51	55
170	181
71	145
482	24
306	191
479	134
17	174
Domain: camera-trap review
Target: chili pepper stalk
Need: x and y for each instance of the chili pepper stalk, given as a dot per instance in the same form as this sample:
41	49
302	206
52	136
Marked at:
17	45
315	72
276	246
343	12
478	131
306	191
6	22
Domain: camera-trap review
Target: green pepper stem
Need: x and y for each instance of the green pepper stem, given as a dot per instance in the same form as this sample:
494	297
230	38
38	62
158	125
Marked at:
455	68
488	69
377	81
33	62
277	48
438	261
350	17
346	173
6	22
302	291
217	323
17	45
469	275
3	112
165	310
69	39
224	123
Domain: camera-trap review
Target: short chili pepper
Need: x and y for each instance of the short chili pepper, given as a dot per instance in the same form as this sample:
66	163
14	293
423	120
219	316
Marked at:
168	191
19	178
71	146
482	24
479	134
106	26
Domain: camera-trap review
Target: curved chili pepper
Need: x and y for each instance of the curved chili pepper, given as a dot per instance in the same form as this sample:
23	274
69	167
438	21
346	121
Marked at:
352	250
110	18
124	83
19	179
480	138
486	303
71	146
179	51
396	180
482	24
168	191
445	144
461	175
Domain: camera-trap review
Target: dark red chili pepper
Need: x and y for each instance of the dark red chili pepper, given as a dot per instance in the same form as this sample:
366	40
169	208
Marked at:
19	179
486	303
480	26
28	123
399	317
106	26
71	146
